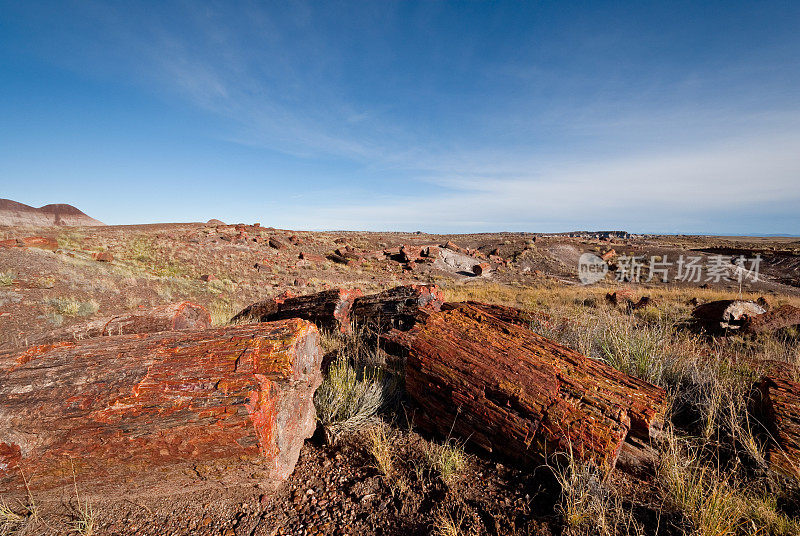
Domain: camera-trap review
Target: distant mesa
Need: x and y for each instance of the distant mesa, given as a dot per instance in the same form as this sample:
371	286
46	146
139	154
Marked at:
19	214
215	222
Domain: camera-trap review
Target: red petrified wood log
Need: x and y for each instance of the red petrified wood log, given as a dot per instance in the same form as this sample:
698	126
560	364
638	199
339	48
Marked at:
724	315
329	309
780	317
780	403
516	393
133	408
172	316
396	307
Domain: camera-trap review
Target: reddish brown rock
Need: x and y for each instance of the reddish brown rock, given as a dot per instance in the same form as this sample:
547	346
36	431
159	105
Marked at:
211	277
481	269
410	253
725	315
311	257
40	242
277	243
103	256
140	410
608	255
626	299
173	316
431	252
397	307
10	243
525	397
329	309
780	412
781	317
511	315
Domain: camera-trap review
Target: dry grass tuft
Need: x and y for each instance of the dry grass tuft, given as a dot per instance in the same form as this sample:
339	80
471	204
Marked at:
447	459
6	279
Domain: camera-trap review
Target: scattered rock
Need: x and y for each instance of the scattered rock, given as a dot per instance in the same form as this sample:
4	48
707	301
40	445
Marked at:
277	243
103	256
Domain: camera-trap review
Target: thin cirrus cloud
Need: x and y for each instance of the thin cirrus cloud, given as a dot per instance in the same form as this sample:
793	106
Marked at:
428	126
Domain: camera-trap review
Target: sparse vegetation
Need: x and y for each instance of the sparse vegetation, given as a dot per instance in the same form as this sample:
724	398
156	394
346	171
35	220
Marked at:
73	306
6	279
447	459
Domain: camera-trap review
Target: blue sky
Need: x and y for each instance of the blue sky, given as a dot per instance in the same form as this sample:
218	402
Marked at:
441	116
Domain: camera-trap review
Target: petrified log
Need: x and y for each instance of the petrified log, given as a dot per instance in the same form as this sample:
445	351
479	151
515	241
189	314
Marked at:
781	317
512	315
276	243
172	316
480	269
397	307
516	393
139	408
780	406
256	312
329	309
724	315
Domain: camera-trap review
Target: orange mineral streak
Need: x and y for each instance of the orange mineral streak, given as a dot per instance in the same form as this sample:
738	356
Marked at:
37	351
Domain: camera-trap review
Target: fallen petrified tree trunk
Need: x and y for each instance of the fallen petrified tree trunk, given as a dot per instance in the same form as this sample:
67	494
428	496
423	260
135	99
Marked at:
127	408
724	315
173	316
329	309
780	411
781	317
516	393
512	315
397	307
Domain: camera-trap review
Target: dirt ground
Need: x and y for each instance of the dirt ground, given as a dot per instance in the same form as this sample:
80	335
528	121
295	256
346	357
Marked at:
335	489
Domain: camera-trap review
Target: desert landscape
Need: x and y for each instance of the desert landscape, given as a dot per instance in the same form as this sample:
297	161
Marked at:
399	268
386	429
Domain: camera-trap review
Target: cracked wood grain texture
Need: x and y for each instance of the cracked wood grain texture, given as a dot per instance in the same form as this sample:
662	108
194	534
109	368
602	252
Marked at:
121	408
780	411
516	393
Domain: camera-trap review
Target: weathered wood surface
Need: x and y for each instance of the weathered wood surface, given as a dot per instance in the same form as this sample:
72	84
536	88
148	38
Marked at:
781	317
512	315
511	391
725	315
329	309
125	408
396	308
780	412
173	316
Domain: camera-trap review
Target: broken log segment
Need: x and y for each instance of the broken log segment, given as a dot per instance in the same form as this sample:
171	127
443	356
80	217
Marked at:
396	308
173	316
780	412
511	391
329	309
725	315
125	408
781	317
